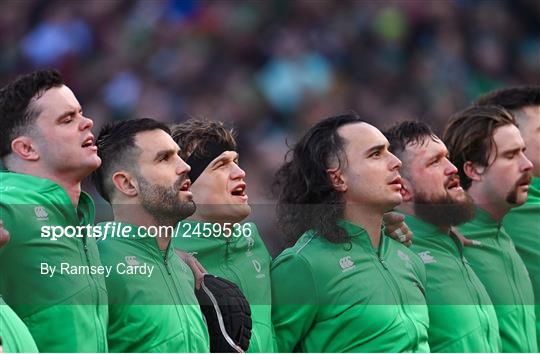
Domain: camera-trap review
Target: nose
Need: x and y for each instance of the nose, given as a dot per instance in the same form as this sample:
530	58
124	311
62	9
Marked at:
451	169
237	172
526	165
86	123
182	167
395	163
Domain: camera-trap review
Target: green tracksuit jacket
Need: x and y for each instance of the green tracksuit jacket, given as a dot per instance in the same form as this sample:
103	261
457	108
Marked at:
64	312
501	270
14	334
523	226
245	261
461	315
349	297
155	312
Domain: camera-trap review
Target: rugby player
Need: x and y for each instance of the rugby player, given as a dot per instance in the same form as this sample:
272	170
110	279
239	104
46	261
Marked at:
343	287
147	184
215	234
523	223
485	145
47	146
461	315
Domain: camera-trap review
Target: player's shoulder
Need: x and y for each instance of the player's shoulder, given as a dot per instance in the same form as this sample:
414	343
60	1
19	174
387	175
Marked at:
17	188
405	252
301	252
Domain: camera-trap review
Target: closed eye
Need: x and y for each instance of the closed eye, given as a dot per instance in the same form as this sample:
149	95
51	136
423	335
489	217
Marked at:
435	162
164	156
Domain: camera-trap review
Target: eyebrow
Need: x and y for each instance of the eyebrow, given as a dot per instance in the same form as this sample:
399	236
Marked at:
165	153
514	150
439	155
375	149
223	158
69	112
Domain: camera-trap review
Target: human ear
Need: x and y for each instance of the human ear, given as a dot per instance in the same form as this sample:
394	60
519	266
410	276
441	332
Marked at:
336	179
24	147
125	183
473	171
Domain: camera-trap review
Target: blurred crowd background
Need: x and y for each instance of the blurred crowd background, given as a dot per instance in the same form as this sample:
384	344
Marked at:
271	68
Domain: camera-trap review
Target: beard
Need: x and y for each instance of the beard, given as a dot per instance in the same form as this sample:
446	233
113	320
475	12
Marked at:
444	210
163	203
512	196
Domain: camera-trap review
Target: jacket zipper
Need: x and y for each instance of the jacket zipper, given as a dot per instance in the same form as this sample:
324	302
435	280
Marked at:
480	306
178	296
390	276
94	286
515	290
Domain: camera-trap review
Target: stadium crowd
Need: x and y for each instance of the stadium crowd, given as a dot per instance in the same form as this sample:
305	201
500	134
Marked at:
371	121
273	68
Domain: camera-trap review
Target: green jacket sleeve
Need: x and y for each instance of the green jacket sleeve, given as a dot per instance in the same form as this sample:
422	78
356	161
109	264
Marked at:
13	332
294	300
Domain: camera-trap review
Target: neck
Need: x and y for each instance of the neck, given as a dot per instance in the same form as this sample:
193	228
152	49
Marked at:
496	208
368	218
71	184
135	214
214	219
406	208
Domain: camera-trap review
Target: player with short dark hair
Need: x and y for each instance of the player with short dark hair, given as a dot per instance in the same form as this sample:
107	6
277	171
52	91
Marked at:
47	145
485	145
147	184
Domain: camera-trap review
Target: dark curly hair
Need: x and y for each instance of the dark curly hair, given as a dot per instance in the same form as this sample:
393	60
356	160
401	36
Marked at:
306	198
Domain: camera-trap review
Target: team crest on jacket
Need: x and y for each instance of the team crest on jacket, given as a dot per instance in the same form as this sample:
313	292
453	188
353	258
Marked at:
132	260
346	263
427	257
41	213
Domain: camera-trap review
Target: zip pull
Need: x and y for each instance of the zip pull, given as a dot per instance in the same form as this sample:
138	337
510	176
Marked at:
166	255
166	261
383	263
85	248
499	226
